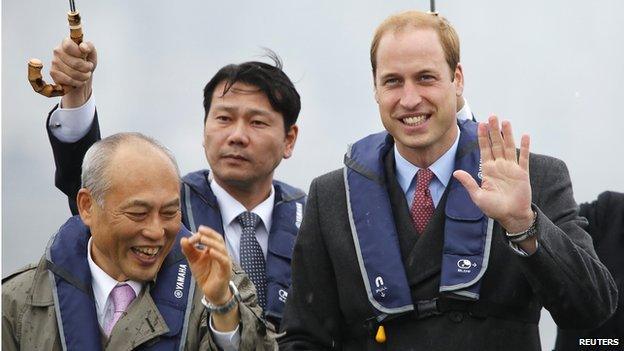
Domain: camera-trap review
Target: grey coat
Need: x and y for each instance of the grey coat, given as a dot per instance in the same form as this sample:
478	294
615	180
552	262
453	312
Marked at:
328	307
29	318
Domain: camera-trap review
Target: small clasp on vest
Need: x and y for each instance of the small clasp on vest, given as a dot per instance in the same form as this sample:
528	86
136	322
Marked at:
427	308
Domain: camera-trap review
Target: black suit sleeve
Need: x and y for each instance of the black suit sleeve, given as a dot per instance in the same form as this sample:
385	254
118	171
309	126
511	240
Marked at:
311	317
565	272
68	160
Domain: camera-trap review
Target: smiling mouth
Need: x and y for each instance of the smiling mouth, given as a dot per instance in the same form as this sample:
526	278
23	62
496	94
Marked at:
414	121
145	251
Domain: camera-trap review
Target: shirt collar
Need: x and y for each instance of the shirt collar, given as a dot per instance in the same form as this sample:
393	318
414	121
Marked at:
465	112
231	208
442	168
103	283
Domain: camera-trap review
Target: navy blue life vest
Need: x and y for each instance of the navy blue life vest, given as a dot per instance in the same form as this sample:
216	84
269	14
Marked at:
200	207
76	314
467	231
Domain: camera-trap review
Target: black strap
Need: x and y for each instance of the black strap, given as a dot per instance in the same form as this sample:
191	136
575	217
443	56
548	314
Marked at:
484	309
61	272
441	305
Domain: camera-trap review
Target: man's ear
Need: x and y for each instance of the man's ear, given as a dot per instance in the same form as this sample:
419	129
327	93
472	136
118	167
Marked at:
375	90
291	139
85	202
459	80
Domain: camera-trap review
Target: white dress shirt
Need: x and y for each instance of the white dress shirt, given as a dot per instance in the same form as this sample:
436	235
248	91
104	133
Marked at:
102	285
464	112
442	168
231	208
71	124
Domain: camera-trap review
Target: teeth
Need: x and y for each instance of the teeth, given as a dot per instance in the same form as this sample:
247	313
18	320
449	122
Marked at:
150	251
414	120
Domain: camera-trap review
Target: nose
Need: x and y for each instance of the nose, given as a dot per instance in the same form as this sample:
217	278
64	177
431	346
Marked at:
239	134
410	97
154	228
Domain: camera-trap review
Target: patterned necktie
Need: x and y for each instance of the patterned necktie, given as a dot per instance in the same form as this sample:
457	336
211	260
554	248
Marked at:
251	256
422	206
122	295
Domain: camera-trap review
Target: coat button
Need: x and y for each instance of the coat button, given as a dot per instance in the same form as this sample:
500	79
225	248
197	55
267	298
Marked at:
456	316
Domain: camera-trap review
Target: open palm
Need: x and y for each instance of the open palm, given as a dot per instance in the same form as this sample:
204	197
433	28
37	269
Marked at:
505	191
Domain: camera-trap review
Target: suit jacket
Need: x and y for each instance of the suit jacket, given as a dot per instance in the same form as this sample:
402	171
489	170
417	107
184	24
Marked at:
68	160
328	307
606	226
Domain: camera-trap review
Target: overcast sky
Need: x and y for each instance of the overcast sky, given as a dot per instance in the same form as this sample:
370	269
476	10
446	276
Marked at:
554	68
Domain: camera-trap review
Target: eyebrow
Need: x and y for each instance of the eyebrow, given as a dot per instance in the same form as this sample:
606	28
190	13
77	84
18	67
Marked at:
142	203
251	111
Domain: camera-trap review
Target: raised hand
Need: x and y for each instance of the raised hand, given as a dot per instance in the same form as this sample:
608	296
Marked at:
212	268
210	264
73	65
505	192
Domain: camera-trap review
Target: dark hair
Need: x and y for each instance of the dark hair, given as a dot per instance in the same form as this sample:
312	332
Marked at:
269	79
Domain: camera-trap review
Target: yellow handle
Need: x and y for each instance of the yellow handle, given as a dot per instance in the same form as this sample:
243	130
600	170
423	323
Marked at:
34	65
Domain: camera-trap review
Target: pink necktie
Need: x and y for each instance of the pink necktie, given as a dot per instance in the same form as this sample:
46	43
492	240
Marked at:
422	206
122	295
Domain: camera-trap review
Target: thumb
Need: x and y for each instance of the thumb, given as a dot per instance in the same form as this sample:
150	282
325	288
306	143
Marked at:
468	182
87	48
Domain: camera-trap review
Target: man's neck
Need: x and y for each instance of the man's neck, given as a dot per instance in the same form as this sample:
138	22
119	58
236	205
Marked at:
249	195
425	157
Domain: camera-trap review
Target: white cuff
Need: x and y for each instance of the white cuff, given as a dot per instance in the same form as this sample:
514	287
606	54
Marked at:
228	341
518	250
71	124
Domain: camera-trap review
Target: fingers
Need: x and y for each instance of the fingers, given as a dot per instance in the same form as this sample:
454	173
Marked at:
523	160
509	143
70	48
66	75
224	262
189	250
204	244
484	143
69	66
211	239
496	137
497	141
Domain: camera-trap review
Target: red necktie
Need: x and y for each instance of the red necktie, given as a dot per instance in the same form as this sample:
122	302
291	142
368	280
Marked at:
422	206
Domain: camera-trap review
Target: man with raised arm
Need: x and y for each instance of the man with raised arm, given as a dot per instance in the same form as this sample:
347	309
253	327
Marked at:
250	118
438	234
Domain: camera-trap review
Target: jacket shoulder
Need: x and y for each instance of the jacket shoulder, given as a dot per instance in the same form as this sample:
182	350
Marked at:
196	178
16	294
26	268
545	161
333	179
289	192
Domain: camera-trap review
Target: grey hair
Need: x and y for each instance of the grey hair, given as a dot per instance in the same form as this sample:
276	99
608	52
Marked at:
98	157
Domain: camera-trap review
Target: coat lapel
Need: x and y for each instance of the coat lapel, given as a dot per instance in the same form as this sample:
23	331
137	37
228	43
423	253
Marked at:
420	253
142	322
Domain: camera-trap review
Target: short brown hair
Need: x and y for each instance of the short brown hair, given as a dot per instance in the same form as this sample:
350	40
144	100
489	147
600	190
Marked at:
447	34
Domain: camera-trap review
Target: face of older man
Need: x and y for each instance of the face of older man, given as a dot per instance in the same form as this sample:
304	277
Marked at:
417	94
135	230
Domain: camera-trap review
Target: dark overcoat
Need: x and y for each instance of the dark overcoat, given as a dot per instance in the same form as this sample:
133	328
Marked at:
328	307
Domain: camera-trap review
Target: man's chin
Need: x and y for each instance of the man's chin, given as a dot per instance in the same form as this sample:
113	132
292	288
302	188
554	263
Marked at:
143	275
235	178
